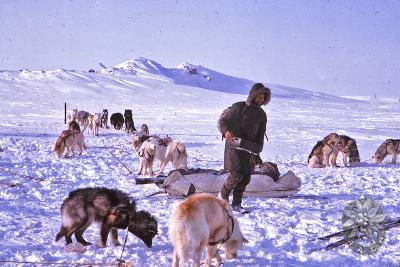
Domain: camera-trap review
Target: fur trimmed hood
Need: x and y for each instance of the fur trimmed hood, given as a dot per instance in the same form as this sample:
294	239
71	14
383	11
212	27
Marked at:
256	90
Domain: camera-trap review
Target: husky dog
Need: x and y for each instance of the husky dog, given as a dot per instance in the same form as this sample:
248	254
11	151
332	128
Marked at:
319	156
104	119
129	124
82	117
94	123
346	145
354	157
332	140
111	208
146	153
176	153
74	114
144	130
117	120
389	147
74	126
200	222
69	139
149	152
138	139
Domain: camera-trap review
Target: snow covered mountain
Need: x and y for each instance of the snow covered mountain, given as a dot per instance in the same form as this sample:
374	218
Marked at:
199	76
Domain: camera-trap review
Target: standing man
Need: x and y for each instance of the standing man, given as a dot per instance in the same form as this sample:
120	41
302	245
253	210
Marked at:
243	126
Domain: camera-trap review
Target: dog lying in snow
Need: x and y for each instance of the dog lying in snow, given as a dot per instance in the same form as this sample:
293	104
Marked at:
200	222
69	140
389	147
112	209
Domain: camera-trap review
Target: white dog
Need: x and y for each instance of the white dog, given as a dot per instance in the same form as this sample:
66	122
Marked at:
176	153
200	222
94	123
146	153
160	149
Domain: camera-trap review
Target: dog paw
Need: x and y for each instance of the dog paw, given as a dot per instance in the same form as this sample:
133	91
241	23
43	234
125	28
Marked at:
102	245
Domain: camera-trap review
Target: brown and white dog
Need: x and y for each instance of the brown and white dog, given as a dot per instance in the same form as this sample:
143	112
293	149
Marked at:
74	126
389	147
348	147
200	222
69	140
321	154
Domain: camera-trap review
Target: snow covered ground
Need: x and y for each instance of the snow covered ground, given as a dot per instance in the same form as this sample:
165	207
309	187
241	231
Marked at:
280	231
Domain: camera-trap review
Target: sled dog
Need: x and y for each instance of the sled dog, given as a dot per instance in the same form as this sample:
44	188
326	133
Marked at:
200	222
117	120
320	155
104	119
389	147
175	153
111	208
74	126
69	140
129	124
347	146
145	152
144	130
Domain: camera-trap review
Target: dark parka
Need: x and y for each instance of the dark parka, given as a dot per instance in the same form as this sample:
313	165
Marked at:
247	121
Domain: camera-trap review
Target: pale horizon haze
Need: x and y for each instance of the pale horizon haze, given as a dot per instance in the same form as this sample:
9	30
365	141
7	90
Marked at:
335	47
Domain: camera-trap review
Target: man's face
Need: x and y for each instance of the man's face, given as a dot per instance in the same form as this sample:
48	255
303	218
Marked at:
259	100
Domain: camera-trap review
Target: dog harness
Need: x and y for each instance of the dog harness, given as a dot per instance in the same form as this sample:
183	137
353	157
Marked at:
228	234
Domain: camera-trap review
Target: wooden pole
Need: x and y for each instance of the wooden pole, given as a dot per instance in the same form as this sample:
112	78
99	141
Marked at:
65	112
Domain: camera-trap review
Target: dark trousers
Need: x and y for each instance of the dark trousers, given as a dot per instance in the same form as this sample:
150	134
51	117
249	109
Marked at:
236	182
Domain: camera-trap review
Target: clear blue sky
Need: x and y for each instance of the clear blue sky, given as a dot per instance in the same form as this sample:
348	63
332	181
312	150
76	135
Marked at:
340	47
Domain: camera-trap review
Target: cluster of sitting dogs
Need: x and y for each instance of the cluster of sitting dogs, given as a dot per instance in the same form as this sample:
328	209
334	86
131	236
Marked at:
200	222
325	152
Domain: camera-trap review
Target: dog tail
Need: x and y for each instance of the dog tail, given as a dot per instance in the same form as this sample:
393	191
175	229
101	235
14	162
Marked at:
182	156
61	233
